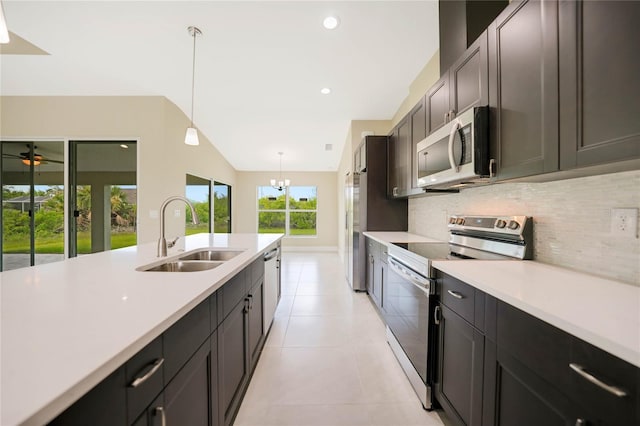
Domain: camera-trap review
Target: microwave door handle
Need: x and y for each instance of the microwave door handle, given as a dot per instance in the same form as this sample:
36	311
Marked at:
452	136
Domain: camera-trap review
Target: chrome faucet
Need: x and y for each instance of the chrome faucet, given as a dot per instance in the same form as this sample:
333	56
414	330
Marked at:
162	243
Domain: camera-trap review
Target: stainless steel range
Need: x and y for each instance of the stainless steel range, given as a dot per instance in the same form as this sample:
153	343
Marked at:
410	285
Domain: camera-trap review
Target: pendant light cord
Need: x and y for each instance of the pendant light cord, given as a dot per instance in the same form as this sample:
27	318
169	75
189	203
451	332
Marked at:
194	31
193	71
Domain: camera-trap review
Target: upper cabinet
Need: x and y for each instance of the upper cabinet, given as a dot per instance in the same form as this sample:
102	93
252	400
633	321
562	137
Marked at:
523	89
599	82
563	86
463	86
399	160
418	123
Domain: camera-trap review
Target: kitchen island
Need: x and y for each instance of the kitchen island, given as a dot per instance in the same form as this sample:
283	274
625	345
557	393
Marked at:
67	325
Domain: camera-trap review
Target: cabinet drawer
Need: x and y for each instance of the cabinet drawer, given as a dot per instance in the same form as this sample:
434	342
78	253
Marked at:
231	293
610	371
144	378
459	297
184	337
536	344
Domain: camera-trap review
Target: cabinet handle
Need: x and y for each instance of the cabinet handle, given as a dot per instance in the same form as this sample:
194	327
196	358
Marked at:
395	191
581	422
452	114
250	299
455	294
620	393
163	418
436	315
152	369
492	168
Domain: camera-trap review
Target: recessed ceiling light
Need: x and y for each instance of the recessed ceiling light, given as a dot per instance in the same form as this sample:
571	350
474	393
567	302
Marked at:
331	22
328	147
124	146
325	90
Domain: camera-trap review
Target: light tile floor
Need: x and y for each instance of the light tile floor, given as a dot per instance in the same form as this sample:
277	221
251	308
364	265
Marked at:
326	360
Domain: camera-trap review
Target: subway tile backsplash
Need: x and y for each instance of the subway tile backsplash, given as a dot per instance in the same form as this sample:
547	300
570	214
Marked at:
572	219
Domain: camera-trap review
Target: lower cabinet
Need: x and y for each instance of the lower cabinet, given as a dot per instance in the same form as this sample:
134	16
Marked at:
187	399
376	272
460	373
499	366
194	374
255	321
233	368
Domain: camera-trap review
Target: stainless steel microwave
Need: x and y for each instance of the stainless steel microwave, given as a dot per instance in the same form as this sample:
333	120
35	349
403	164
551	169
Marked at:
457	154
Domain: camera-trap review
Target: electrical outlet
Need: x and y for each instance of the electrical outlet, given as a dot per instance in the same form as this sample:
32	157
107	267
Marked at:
153	214
624	222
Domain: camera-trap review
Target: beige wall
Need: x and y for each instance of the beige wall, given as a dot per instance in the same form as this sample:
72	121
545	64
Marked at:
424	80
157	124
245	199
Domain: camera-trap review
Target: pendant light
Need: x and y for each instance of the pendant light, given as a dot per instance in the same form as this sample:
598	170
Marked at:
191	137
280	184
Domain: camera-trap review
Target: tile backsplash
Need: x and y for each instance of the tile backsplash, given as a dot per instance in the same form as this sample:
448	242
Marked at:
572	219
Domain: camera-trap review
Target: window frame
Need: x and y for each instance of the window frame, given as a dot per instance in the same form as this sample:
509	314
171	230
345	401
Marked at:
287	210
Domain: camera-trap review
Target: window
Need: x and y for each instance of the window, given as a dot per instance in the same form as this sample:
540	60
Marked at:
292	211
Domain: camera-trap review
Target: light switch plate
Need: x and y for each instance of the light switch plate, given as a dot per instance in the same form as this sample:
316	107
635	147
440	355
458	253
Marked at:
177	213
624	222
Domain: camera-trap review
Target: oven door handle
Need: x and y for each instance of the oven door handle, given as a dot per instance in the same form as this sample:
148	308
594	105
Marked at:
422	284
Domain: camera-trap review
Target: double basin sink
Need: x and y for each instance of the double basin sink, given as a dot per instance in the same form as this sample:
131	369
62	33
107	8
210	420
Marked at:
199	260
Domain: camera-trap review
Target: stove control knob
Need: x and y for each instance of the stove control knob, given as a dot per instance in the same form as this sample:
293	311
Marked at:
452	220
513	225
460	221
500	223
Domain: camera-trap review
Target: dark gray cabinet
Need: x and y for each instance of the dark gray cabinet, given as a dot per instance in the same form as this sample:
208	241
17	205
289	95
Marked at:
233	353
186	399
104	405
418	123
599	85
537	374
464	85
399	160
255	321
523	88
459	376
195	373
374	272
437	103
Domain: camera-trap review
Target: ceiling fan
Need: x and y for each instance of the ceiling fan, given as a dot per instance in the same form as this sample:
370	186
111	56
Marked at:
25	157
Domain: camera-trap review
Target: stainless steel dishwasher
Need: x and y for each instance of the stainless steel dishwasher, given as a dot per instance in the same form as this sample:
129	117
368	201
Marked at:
271	286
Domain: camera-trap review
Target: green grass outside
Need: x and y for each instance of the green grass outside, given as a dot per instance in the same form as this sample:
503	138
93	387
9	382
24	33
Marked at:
55	244
292	232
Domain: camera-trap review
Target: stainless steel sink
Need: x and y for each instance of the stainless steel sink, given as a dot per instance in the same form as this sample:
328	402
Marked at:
212	255
183	266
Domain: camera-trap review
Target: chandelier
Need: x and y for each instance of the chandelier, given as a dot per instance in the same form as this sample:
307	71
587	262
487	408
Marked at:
280	183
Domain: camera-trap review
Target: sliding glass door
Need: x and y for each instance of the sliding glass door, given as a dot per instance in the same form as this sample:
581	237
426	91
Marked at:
32	219
222	208
103	196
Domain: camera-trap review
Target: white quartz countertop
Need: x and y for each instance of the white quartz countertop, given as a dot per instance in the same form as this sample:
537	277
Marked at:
602	312
65	326
386	237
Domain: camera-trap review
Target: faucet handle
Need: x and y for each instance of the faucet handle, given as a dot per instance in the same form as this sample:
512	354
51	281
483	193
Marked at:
172	243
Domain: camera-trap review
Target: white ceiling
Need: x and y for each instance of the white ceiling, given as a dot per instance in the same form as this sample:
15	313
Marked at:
259	66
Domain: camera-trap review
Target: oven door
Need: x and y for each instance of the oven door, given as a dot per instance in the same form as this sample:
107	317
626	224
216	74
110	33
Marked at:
407	313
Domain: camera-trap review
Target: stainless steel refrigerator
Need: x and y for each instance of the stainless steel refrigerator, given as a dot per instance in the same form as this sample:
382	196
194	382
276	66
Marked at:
371	210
